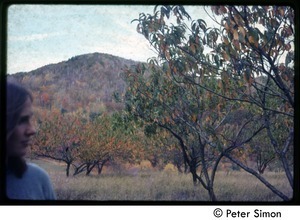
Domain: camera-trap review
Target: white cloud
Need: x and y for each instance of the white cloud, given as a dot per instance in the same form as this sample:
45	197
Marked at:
33	37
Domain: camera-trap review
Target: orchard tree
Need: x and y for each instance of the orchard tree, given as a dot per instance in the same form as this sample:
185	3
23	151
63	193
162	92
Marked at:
202	74
103	142
258	43
191	115
58	137
82	141
95	146
160	148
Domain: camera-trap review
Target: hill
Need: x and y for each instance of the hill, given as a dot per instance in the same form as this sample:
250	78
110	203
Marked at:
85	81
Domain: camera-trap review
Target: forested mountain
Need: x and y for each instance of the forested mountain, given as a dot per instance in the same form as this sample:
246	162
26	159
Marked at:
85	81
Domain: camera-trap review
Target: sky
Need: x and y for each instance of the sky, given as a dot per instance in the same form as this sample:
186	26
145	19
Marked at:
38	35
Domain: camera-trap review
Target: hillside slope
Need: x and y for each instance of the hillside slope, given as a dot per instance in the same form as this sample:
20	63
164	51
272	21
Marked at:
84	81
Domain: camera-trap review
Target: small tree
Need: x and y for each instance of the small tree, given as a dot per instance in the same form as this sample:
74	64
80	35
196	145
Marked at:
102	142
58	137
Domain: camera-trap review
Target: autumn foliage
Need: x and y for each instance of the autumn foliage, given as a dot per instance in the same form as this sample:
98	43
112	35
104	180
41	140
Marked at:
80	141
204	77
212	96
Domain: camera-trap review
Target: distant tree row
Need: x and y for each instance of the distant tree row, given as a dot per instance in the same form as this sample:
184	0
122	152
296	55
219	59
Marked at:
83	142
89	141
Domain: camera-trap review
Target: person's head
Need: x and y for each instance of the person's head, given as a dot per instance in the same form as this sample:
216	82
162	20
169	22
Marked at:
19	128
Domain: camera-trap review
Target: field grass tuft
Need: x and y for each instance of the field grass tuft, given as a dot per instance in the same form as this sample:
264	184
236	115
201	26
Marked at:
165	185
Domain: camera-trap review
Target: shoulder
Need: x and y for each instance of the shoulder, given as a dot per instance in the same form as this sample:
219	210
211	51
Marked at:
35	184
34	169
41	178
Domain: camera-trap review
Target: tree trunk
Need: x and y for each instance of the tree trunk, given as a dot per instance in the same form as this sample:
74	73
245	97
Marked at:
287	170
211	193
80	169
186	167
263	180
179	168
68	169
100	167
89	168
193	170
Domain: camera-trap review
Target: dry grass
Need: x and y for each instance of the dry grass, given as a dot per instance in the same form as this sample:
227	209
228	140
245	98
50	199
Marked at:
161	186
241	186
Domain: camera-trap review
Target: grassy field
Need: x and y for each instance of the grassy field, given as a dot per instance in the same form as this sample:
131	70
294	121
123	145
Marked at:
160	186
